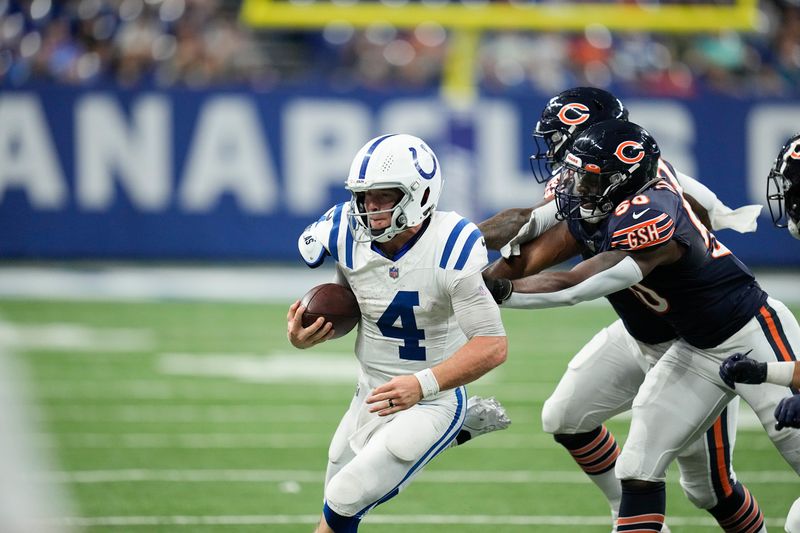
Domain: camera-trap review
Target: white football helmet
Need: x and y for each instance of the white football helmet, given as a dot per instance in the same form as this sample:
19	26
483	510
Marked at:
396	161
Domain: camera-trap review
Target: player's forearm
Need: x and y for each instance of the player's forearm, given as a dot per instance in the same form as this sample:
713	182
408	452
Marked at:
477	357
503	226
616	278
545	282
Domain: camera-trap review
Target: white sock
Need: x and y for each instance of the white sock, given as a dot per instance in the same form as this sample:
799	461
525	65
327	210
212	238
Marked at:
611	487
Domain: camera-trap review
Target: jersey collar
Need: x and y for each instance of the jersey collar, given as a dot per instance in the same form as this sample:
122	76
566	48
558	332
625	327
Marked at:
407	246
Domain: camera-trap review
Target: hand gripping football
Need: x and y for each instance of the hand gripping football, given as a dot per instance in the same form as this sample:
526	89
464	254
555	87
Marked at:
336	303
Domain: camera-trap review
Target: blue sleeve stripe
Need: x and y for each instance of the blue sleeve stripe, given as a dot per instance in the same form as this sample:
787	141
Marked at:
362	173
333	238
348	245
451	242
462	259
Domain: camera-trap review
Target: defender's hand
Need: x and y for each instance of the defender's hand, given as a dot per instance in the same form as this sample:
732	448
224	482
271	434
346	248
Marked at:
738	368
301	337
788	413
500	288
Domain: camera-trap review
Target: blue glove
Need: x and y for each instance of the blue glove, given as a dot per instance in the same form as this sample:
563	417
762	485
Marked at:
788	413
738	368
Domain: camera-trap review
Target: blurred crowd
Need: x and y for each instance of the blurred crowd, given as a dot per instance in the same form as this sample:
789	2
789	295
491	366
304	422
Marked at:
199	43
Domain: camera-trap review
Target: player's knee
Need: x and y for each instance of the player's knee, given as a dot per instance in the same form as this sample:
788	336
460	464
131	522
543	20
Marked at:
698	494
787	442
793	519
345	493
629	466
339	523
553	416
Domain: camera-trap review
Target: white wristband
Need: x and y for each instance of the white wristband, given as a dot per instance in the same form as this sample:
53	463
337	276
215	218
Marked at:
780	373
428	382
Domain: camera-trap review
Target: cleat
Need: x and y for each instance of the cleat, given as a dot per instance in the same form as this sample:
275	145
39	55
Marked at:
484	415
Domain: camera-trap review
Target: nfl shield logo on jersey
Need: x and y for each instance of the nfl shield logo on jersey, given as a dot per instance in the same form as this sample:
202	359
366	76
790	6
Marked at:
394	272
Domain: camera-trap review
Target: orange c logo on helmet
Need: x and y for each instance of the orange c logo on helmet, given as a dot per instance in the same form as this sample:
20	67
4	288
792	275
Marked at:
577	109
794	152
638	152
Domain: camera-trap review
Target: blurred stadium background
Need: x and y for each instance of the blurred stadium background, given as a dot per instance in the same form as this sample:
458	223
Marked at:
158	159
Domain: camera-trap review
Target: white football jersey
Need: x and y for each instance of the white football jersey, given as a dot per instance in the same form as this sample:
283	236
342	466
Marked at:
407	321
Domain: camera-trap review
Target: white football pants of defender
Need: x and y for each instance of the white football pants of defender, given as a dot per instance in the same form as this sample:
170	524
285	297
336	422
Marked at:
602	380
372	458
793	519
683	394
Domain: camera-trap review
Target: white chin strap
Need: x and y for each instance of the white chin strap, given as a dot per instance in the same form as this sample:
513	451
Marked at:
397	226
386	235
590	216
793	228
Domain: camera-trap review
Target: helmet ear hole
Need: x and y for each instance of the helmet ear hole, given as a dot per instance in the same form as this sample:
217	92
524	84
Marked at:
425	197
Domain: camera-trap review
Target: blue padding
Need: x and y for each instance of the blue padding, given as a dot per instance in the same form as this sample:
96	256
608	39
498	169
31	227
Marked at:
339	523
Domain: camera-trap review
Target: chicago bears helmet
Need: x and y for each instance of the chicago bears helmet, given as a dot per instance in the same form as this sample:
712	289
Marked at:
783	187
396	161
564	117
605	164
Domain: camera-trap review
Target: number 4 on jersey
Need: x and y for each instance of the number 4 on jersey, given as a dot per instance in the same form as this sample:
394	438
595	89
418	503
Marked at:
402	307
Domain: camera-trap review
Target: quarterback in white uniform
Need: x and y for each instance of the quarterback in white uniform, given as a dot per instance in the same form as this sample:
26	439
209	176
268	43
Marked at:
428	324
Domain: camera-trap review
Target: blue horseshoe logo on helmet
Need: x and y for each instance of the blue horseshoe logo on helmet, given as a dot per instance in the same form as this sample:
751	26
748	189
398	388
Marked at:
426	175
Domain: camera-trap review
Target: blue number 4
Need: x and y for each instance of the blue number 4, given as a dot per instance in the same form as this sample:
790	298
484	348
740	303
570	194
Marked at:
402	307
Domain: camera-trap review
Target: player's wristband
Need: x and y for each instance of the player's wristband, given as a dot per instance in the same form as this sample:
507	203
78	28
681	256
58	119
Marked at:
780	373
428	382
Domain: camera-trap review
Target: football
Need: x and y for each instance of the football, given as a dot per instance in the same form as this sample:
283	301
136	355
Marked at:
336	303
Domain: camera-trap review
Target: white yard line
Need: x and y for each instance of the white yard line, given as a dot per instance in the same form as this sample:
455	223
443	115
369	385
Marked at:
463	520
144	283
70	337
227	390
248	284
285	441
176	414
568	477
318	367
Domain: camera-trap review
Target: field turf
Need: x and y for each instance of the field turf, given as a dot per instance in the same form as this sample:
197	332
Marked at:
187	416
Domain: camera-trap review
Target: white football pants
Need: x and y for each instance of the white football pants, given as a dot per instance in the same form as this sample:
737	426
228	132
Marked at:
682	395
602	381
372	458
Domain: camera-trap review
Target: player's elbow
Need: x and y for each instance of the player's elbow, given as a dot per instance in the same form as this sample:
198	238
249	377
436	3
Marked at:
497	351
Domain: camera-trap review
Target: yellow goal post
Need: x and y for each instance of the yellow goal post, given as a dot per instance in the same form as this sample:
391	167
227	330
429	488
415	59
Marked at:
467	20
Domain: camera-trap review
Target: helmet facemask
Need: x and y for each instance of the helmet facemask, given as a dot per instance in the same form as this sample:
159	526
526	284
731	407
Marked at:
783	187
583	194
550	148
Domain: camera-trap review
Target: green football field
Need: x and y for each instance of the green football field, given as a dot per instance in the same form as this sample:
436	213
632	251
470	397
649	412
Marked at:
179	416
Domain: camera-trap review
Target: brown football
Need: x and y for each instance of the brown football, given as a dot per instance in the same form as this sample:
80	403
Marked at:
336	303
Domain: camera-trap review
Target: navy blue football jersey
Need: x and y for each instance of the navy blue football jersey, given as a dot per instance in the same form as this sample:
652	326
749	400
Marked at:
706	296
643	325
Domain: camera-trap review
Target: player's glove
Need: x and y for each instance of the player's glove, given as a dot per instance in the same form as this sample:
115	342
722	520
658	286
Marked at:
501	288
738	368
788	413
